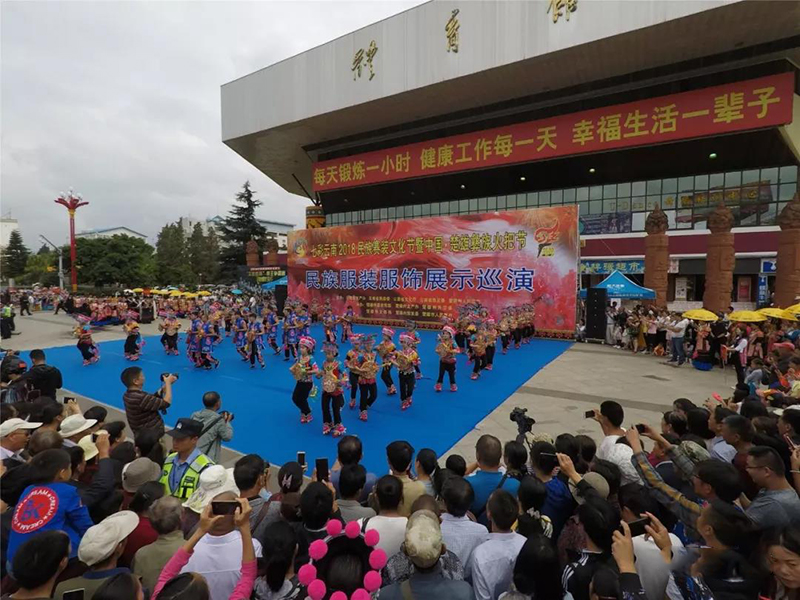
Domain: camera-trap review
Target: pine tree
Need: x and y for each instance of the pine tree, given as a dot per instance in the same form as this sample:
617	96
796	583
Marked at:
172	258
15	256
45	249
200	259
212	251
238	228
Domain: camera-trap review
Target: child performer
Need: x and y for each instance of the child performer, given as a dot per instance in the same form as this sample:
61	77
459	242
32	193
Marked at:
332	391
347	323
303	321
170	326
406	359
209	335
133	343
228	321
271	327
367	369
412	331
515	320
240	336
303	370
329	322
255	341
478	345
447	350
491	342
351	362
290	333
385	350
87	347
193	338
504	331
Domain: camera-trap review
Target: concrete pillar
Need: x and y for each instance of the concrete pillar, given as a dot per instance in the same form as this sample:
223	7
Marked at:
656	255
787	279
251	254
720	260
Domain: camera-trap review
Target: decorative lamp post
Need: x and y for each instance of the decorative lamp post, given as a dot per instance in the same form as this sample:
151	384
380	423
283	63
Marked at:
72	202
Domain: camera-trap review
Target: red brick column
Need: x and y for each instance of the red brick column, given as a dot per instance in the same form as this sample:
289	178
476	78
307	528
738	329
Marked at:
720	260
656	255
251	254
787	280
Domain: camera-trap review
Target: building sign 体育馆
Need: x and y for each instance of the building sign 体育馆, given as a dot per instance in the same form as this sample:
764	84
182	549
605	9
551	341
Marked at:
739	106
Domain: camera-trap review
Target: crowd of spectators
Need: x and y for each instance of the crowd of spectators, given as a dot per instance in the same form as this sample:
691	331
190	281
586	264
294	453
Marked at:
701	506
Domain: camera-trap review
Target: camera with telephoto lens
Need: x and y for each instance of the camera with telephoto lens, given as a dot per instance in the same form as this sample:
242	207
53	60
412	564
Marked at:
523	421
227	416
165	375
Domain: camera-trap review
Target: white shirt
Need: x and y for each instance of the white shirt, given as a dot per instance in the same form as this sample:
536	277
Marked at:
680	326
6	453
605	446
654	573
461	536
392	531
493	564
219	560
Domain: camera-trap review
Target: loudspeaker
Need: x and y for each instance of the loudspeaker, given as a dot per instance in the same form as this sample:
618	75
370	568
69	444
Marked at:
596	313
281	293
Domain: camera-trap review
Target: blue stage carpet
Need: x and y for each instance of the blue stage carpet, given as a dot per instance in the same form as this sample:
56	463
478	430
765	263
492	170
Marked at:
267	422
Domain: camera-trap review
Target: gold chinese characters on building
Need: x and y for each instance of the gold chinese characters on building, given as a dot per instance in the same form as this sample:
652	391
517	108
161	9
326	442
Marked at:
451	32
364	56
561	8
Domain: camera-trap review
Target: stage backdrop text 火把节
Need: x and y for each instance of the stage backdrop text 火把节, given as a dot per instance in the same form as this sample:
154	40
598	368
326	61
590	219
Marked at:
423	269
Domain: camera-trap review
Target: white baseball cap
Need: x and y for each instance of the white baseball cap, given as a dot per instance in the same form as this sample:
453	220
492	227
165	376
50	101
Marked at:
100	540
75	424
11	425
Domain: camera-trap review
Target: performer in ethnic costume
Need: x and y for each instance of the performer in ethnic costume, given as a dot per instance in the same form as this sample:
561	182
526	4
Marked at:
478	344
240	327
303	370
385	350
491	342
193	339
169	339
133	342
351	362
255	341
405	360
505	331
367	369
447	350
89	351
271	327
329	322
333	380
412	331
347	323
228	316
209	336
290	333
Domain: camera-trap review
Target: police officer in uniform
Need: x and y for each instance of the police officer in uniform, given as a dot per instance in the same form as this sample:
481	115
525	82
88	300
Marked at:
182	468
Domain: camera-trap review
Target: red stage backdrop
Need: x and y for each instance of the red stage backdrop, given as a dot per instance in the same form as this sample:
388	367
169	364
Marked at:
422	269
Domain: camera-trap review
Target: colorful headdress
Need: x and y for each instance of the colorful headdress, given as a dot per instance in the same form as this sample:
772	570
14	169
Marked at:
330	347
450	330
407	337
388	331
411	324
307	575
368	338
308	343
356	338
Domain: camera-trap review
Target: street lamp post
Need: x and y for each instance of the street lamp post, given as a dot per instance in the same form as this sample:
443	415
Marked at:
60	261
72	202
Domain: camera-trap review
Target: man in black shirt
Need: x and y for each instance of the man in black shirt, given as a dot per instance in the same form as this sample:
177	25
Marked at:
719	338
42	377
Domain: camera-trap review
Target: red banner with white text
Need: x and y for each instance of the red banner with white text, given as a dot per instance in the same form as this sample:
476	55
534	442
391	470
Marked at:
740	106
424	269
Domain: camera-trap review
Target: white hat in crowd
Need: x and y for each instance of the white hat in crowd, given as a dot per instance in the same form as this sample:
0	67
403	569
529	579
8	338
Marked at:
89	447
11	425
215	480
138	472
74	424
100	541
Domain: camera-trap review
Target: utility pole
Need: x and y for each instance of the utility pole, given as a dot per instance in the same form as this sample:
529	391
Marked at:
60	261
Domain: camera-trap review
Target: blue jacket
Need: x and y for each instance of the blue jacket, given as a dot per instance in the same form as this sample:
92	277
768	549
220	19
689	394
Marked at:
47	507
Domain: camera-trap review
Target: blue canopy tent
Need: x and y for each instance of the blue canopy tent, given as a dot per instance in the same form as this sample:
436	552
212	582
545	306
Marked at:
619	286
273	284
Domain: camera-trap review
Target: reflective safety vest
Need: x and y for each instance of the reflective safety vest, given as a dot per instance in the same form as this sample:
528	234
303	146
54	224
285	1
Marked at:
191	478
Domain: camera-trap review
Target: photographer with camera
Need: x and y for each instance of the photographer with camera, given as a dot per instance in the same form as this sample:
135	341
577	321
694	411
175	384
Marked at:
216	426
143	410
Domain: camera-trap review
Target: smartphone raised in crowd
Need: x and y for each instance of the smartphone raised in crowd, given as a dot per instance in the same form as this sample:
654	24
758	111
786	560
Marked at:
589	414
301	459
74	594
640	428
322	469
637	527
224	508
67	400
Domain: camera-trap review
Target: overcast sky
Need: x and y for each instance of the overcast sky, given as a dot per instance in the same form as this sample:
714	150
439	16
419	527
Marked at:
120	101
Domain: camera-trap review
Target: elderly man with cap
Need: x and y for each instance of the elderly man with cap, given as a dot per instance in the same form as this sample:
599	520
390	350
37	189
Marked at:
100	549
74	427
182	468
14	435
423	545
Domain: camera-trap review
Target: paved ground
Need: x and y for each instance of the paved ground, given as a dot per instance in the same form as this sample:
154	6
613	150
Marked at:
557	396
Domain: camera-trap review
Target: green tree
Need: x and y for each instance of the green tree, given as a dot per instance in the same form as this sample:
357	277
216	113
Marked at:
198	255
121	259
41	268
15	256
212	250
238	228
44	249
172	265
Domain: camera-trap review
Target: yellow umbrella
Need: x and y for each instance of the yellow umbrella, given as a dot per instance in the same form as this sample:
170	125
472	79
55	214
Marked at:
175	293
772	312
794	309
788	315
204	293
746	316
137	290
190	296
700	314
